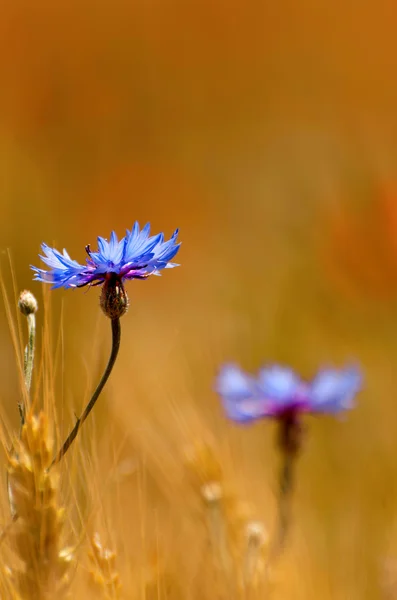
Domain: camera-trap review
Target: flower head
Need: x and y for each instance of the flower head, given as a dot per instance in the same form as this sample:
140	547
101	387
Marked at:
135	256
279	393
27	303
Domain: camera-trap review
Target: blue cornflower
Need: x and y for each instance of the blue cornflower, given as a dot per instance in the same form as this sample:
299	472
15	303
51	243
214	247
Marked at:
279	393
135	256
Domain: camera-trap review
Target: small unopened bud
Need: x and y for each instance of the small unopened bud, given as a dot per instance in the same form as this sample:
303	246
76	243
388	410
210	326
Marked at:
114	300
212	492
256	534
27	303
257	537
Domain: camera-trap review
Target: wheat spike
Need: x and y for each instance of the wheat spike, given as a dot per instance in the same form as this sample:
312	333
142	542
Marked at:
37	533
104	577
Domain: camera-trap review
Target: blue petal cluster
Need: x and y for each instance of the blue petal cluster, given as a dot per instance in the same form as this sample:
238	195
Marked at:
135	256
278	392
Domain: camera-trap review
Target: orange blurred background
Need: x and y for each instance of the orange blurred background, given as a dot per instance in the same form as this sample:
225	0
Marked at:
266	131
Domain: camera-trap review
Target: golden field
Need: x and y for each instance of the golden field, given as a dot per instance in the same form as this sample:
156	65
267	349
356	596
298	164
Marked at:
267	132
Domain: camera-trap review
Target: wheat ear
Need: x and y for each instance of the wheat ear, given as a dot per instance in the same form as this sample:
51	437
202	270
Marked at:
37	533
104	577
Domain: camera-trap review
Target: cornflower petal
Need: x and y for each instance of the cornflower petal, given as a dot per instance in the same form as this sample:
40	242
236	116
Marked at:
240	395
137	245
245	411
63	268
157	257
234	383
278	392
334	391
135	256
279	382
283	388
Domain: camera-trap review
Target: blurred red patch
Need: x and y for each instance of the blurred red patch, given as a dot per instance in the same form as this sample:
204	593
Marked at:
360	249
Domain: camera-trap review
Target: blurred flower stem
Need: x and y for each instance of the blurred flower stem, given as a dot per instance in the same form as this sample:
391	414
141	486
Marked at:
285	493
116	335
289	442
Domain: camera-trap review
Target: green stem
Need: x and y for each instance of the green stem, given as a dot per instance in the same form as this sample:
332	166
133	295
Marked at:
29	357
116	334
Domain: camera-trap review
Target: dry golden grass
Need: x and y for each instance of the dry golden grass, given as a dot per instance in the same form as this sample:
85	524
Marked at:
104	577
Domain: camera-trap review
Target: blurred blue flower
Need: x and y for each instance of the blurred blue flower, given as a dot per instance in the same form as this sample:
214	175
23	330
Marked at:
278	392
135	256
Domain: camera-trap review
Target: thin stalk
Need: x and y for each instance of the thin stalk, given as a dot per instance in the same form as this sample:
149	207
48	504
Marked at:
290	434
212	494
29	351
284	501
28	361
116	334
256	538
286	483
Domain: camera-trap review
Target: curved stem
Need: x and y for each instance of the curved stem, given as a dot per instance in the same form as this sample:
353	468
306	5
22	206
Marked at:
116	334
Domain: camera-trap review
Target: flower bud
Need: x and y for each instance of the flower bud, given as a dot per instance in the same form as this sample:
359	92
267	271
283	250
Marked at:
114	300
27	303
